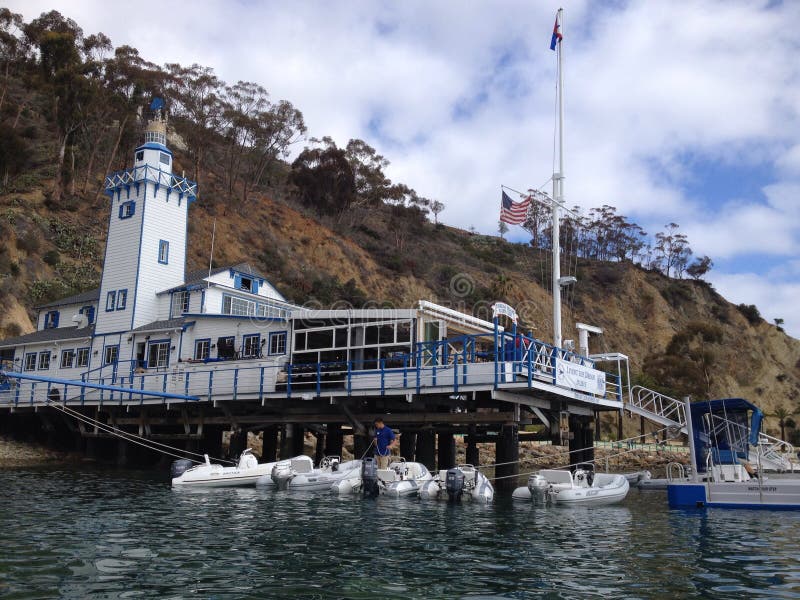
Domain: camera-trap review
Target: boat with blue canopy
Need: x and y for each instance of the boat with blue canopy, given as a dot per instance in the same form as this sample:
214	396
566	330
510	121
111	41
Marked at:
722	434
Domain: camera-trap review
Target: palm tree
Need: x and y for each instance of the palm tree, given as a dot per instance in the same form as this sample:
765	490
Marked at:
782	414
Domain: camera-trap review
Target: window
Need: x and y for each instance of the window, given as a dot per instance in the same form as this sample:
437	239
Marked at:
163	252
67	359
251	346
89	312
111	299
51	320
246	284
225	347
140	155
158	355
238	306
164	158
122	299
180	303
30	361
110	355
44	360
127	209
82	357
277	343
202	349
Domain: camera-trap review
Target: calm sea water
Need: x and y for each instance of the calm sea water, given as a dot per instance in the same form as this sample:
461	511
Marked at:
119	534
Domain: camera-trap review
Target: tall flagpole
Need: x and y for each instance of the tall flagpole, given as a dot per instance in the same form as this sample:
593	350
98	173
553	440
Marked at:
558	196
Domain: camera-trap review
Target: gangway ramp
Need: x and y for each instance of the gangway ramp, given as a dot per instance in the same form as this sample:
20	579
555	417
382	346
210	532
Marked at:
657	407
772	454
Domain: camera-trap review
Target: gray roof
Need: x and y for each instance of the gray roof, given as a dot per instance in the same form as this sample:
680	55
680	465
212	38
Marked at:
164	325
89	296
200	275
49	335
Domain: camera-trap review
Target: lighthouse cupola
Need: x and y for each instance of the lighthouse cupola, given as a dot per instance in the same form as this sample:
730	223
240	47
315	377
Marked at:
154	152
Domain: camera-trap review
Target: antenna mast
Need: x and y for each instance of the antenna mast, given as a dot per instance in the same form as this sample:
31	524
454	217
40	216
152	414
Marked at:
558	195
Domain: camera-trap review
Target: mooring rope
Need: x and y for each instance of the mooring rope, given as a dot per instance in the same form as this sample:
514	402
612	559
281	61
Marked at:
622	441
147	443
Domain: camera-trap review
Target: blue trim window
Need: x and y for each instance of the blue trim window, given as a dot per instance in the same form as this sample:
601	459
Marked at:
225	347
140	155
122	299
202	349
51	319
30	361
251	345
110	355
158	354
277	343
164	158
163	252
89	312
82	357
111	299
180	303
127	209
44	360
67	358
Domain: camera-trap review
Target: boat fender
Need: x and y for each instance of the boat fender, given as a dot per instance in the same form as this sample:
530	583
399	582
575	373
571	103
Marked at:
179	467
369	478
454	483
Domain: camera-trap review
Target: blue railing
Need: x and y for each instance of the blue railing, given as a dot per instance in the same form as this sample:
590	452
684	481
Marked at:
450	364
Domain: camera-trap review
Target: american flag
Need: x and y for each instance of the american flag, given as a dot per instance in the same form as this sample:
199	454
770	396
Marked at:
514	213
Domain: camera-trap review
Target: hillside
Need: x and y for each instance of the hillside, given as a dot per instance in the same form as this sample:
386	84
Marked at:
371	243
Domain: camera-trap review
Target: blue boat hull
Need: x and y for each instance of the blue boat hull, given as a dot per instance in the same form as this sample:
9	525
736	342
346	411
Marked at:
779	494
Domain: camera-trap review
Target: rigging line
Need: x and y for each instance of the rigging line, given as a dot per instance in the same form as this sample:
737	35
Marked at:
624	440
111	429
133	441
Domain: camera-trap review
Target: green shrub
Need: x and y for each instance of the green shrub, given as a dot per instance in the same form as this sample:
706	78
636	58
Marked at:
750	312
52	257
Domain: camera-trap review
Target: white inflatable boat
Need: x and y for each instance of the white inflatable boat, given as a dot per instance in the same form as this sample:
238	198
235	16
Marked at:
564	488
298	473
206	474
401	479
460	481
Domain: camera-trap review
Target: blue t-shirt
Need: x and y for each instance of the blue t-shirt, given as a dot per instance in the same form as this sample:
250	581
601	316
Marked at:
384	437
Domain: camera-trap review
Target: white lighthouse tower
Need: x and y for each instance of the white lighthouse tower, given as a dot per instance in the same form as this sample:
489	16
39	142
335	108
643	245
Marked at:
146	247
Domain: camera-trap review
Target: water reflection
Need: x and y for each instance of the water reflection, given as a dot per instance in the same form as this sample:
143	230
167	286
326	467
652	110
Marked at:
122	534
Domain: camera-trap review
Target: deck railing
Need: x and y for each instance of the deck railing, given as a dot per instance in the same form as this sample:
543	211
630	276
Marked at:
449	365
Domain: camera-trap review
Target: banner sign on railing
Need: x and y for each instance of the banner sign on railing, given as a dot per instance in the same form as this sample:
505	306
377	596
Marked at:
501	308
577	377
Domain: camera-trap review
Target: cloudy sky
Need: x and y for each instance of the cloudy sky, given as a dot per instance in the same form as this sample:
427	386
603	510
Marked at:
675	112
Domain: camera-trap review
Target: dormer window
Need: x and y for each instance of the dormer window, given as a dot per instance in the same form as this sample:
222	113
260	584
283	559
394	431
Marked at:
140	156
246	284
51	320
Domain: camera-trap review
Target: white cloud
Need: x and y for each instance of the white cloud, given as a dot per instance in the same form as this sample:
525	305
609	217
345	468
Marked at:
775	299
460	97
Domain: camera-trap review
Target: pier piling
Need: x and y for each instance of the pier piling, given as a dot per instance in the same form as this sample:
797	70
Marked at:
333	440
408	445
426	448
446	450
507	451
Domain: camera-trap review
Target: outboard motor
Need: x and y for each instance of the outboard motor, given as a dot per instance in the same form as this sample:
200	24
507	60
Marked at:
538	487
369	478
179	467
454	484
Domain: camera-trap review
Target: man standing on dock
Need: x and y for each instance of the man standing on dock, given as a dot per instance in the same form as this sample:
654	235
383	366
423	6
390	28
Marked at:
385	440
